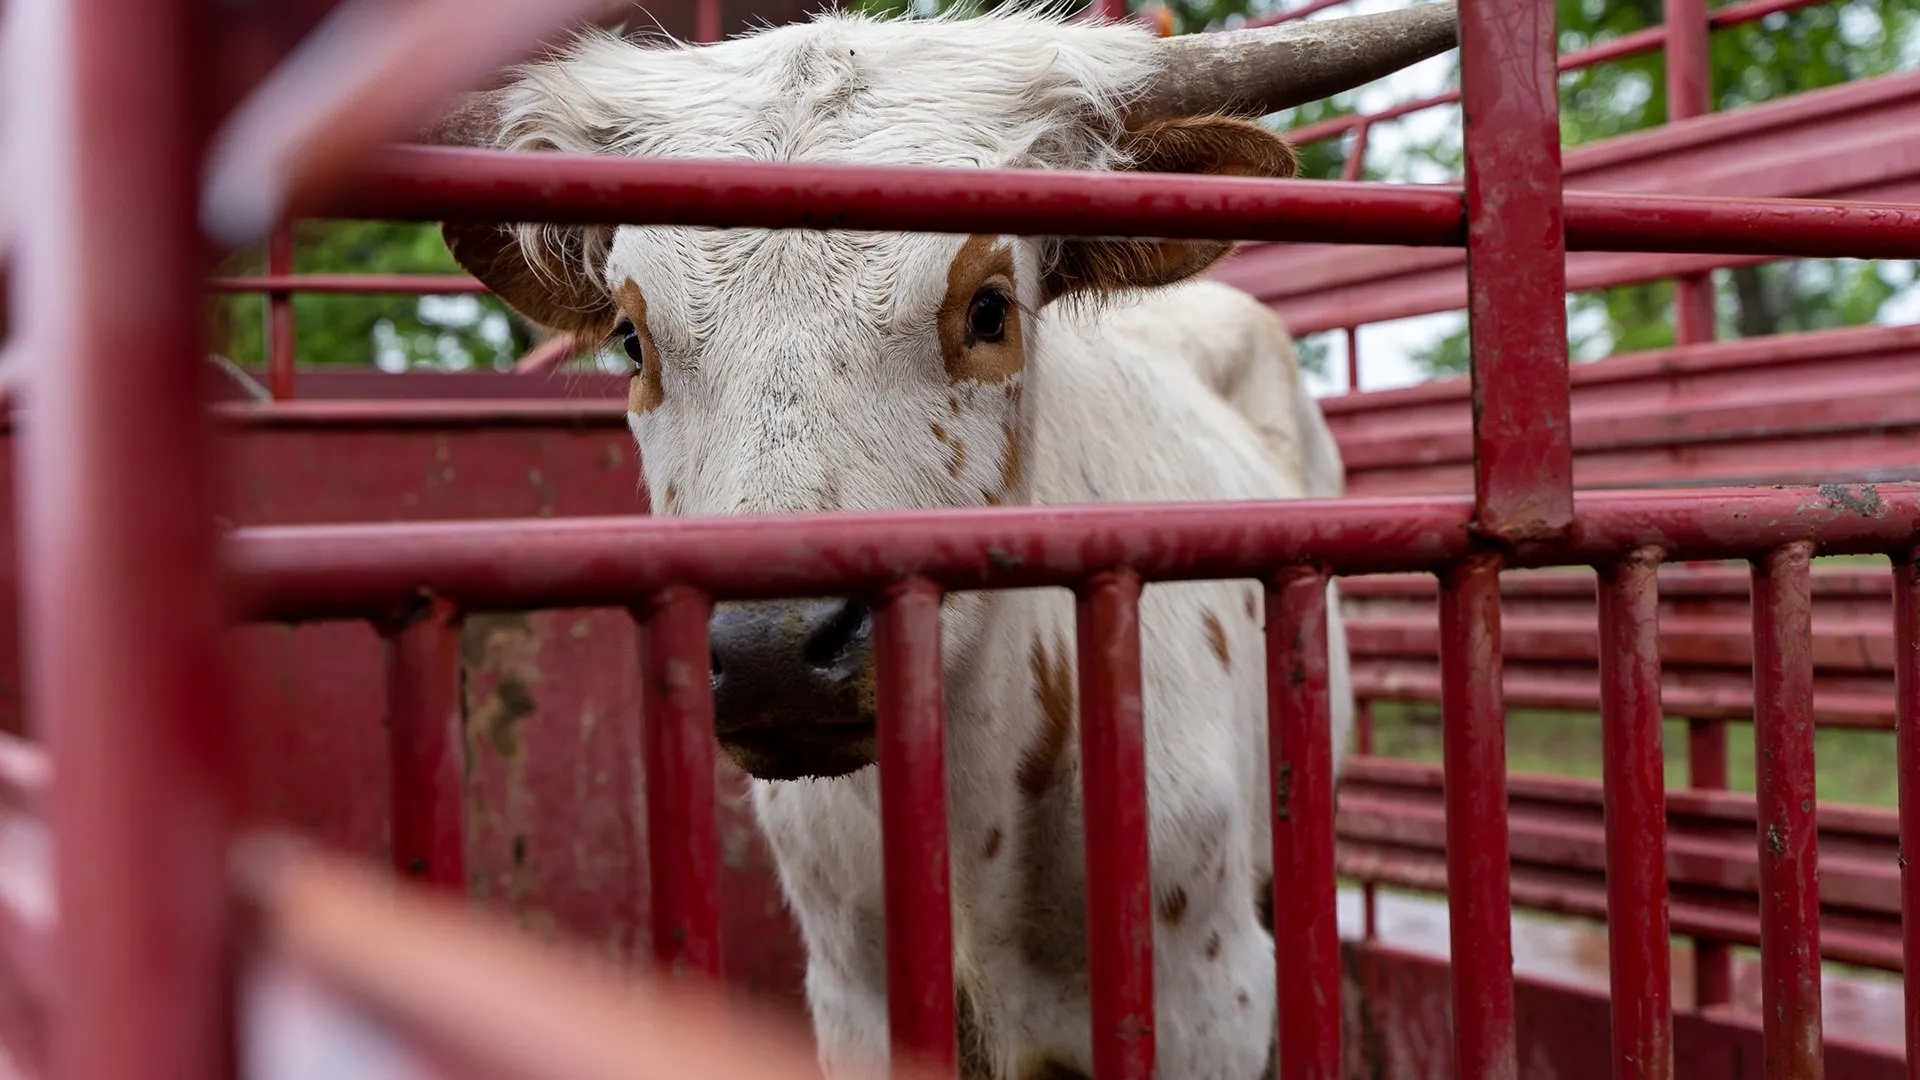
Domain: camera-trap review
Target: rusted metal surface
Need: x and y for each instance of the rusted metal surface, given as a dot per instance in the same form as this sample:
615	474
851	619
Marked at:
1392	830
1300	745
1475	750
1516	260
1640	965
911	742
1113	781
1852	141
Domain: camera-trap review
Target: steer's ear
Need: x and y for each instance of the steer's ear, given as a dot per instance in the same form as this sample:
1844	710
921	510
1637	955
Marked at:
561	291
553	278
1211	145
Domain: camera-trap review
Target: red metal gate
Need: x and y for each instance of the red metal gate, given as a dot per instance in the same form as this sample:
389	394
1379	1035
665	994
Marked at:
125	595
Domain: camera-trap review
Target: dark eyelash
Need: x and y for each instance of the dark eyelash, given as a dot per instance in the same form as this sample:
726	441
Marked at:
620	330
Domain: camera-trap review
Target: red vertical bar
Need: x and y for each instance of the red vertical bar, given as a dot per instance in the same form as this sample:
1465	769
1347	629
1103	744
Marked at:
1479	895
280	316
706	19
1113	757
1306	932
1789	843
676	695
1641	965
123	600
1353	359
1906	681
913	820
1516	269
1707	770
427	747
1369	900
1689	78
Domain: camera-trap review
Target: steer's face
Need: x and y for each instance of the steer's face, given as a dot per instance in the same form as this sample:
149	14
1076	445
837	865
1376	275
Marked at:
797	371
778	372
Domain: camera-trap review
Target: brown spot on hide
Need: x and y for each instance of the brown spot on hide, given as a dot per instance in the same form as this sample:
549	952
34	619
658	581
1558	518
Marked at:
994	839
644	389
980	268
1213	945
1243	999
1217	640
1053	688
673	498
957	464
1173	906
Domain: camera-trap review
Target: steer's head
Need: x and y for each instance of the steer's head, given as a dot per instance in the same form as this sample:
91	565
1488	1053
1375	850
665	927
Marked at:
778	371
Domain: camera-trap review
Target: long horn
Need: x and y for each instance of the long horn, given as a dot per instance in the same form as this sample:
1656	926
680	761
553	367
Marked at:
1256	72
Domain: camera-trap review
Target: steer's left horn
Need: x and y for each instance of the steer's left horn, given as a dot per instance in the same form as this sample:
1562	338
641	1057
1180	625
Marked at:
1256	72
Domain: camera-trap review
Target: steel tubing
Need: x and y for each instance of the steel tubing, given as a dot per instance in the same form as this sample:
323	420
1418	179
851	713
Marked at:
419	183
683	838
1788	833
1517	264
1640	960
1474	752
123	607
1306	933
1113	779
911	742
347	571
426	740
1906	678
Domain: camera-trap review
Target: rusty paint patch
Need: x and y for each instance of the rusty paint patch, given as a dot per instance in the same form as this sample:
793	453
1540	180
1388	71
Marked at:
1864	500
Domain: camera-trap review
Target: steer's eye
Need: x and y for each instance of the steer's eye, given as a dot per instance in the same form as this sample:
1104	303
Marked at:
987	316
630	341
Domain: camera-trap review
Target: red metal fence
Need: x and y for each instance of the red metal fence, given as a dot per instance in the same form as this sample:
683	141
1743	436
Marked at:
125	597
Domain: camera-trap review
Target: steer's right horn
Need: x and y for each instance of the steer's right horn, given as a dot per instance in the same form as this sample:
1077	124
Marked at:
1256	72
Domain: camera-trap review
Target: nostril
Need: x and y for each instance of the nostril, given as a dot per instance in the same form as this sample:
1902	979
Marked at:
829	644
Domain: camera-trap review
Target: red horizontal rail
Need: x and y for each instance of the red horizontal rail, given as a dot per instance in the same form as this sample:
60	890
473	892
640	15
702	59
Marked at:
442	183
323	571
1633	44
425	284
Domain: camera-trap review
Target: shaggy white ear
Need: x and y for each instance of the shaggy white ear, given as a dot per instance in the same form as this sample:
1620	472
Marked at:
562	289
1210	145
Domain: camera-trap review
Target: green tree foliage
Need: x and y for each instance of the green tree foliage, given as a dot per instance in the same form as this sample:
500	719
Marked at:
1784	53
452	333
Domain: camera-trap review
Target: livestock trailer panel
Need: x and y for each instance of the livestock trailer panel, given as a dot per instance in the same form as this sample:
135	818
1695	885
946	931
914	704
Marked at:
121	575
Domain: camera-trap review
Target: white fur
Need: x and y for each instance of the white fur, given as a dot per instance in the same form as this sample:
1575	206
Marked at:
802	372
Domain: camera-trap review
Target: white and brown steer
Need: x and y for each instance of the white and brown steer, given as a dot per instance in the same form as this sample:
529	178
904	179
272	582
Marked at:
819	371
